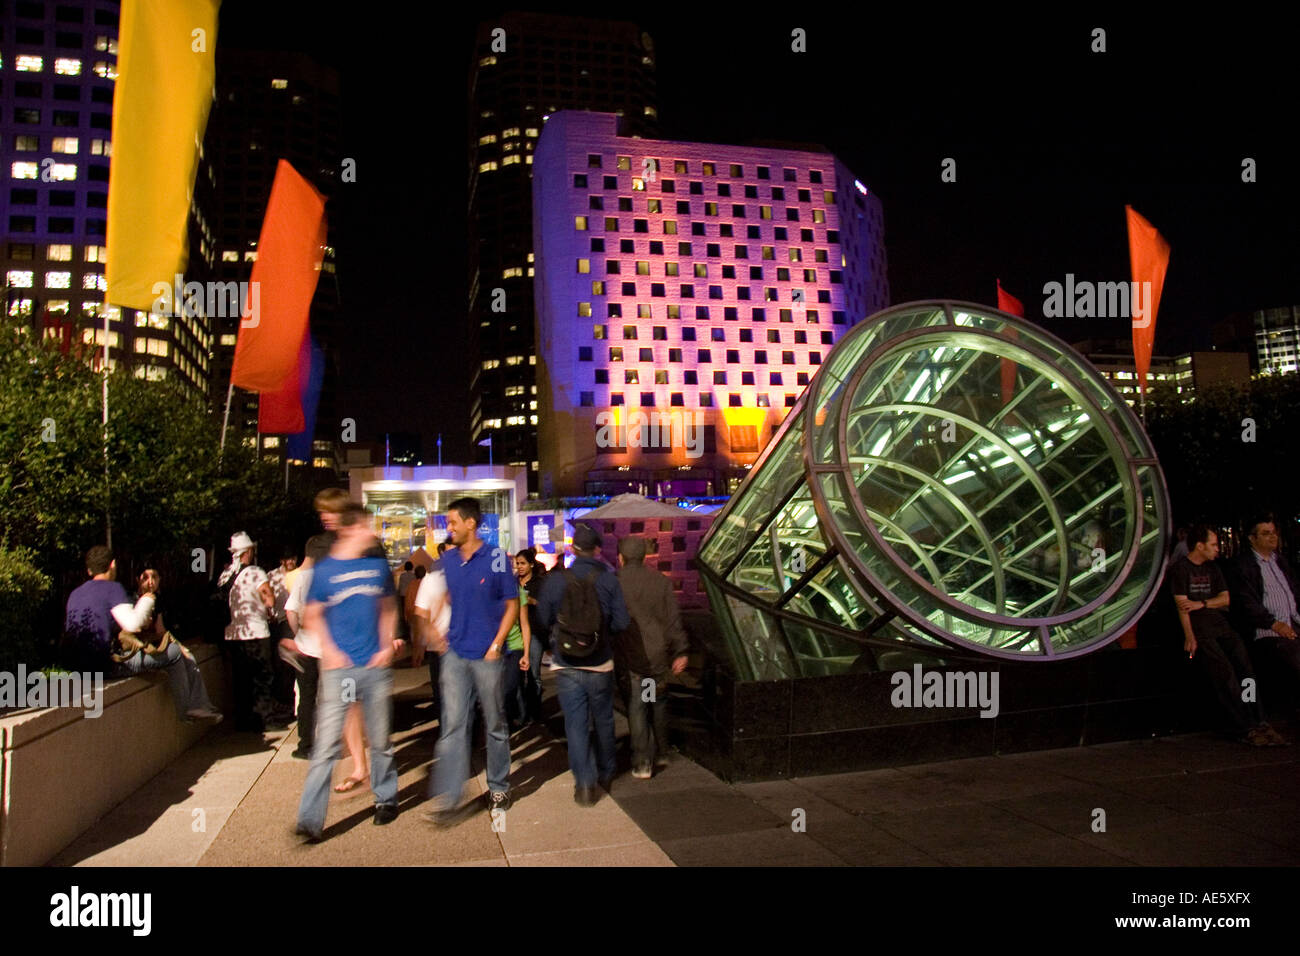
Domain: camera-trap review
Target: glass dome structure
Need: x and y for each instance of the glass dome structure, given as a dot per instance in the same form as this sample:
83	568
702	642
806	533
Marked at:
954	480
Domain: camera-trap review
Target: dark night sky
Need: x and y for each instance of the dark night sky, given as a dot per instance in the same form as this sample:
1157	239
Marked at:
1050	139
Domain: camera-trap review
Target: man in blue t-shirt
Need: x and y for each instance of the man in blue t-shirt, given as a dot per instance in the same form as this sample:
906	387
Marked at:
484	606
352	609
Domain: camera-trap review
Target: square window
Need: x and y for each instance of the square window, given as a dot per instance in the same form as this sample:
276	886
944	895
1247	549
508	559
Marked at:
593	161
679	166
584	353
661	376
688	334
586	399
706	400
719	377
696	188
733	356
616	354
630	377
801	378
597	245
579	181
584	266
602	376
760	357
675	399
774	378
611	182
624	204
690	377
595	202
669	186
624	163
764	173
647	399
645	355
790	175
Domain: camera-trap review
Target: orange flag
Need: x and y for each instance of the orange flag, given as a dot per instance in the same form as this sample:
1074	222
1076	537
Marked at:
1148	255
280	291
280	412
1009	303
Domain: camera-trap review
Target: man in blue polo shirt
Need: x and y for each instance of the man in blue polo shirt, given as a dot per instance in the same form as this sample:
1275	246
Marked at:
352	610
484	605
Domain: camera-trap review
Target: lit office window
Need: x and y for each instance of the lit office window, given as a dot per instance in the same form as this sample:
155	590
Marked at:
101	147
93	282
19	279
23	170
230	255
487	167
96	254
65	144
106	45
488	139
487	61
66	66
26	63
279	84
105	70
63	172
58	280
250	256
59	253
510	161
27	144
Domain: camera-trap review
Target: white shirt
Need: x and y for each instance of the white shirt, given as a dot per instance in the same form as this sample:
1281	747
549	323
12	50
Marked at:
307	642
433	586
247	612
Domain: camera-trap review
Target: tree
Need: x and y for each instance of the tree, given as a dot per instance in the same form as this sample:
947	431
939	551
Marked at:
163	487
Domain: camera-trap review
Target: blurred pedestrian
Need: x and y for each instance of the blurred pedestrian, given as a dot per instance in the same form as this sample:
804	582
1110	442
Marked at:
248	636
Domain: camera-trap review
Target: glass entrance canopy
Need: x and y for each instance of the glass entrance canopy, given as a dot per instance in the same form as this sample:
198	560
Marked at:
954	479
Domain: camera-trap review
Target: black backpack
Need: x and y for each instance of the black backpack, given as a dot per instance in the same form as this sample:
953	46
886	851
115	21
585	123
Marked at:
579	626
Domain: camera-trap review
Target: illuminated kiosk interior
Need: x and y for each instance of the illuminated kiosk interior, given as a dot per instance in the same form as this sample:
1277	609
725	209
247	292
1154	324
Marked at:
410	504
953	480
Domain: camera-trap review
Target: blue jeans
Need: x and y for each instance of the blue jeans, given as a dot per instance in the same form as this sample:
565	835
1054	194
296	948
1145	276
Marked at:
372	687
188	690
462	680
588	695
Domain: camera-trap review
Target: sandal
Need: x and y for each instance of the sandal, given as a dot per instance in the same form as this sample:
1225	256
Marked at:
349	783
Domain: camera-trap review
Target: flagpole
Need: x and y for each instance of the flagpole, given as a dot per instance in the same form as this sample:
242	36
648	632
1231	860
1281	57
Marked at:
108	513
225	419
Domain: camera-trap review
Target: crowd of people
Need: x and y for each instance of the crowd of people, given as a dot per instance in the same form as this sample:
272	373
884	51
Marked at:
485	621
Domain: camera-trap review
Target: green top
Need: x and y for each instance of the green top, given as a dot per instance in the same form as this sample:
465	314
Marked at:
515	639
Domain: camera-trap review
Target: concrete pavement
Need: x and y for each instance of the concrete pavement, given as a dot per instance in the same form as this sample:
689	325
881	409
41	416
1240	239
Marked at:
1174	801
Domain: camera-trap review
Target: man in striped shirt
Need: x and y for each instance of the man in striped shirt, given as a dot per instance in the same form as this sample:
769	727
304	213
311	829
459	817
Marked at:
1264	590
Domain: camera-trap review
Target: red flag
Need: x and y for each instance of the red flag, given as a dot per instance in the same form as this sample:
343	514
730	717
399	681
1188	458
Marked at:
1148	255
1009	303
280	412
281	287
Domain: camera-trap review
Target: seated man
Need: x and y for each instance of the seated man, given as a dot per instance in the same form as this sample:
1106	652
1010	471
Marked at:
1264	594
104	632
1201	595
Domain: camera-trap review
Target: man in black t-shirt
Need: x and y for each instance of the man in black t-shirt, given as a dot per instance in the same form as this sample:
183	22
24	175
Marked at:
1201	595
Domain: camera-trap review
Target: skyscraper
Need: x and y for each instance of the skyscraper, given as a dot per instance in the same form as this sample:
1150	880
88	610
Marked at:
525	67
56	119
270	106
686	294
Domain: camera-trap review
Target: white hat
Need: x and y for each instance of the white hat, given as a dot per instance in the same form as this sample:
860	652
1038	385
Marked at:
240	542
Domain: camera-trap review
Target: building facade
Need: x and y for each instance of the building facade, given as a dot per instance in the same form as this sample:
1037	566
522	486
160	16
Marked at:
56	119
1186	373
686	293
525	67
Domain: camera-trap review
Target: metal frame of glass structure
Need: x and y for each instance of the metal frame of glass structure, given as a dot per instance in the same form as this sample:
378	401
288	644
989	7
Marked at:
954	480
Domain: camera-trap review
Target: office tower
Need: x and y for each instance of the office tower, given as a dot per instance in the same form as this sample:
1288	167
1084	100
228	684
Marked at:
56	119
273	105
525	67
686	294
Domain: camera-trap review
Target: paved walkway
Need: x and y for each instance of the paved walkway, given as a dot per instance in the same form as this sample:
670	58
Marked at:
1190	800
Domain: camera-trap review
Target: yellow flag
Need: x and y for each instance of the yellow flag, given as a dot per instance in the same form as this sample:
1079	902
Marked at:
165	65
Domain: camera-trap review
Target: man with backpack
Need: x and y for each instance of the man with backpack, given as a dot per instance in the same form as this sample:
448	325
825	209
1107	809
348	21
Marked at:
580	606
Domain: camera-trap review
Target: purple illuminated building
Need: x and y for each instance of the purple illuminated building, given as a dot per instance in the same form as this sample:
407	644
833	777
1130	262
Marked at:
685	295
